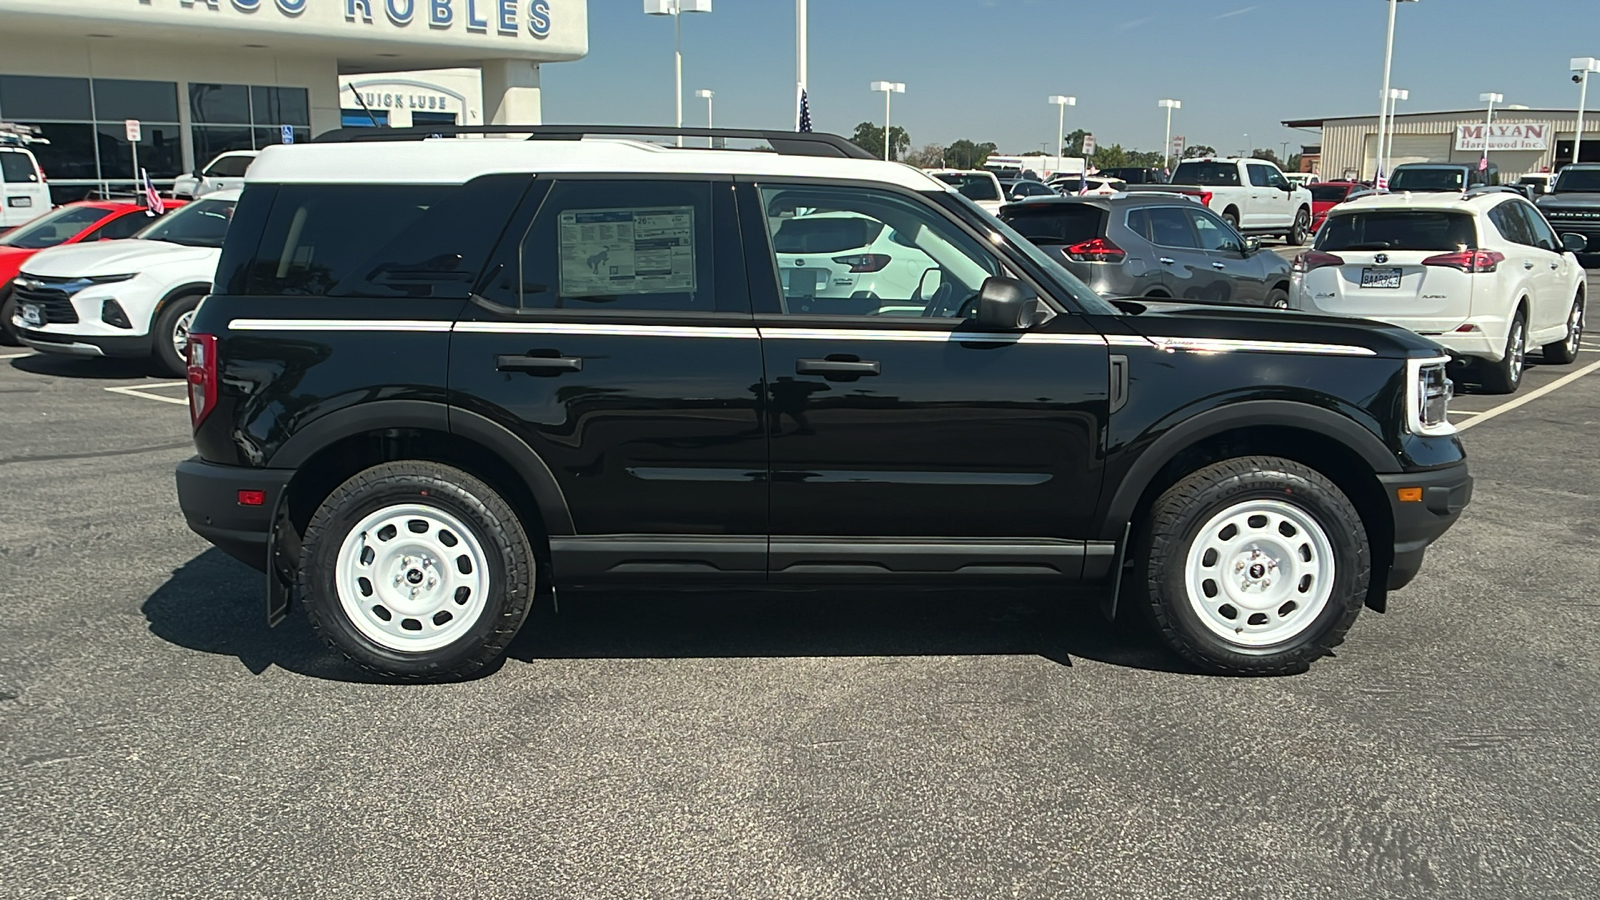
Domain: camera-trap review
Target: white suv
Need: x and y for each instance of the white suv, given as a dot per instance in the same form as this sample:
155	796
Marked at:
1482	274
132	298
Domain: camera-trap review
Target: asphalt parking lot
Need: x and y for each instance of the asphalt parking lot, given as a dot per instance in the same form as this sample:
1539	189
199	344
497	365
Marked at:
158	740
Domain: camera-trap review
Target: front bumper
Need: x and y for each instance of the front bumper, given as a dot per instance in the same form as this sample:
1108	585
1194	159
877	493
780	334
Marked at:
209	496
1446	492
134	347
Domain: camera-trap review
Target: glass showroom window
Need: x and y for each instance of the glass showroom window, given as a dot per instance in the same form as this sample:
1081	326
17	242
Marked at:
82	119
241	117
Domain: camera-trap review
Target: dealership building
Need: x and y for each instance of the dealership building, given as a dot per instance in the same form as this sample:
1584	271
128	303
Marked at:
205	76
1520	140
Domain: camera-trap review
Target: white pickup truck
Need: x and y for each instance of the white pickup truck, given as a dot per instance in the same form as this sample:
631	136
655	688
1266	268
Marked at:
1251	194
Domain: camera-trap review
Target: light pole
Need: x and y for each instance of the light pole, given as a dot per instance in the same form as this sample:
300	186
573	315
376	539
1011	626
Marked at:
1388	64
889	88
1582	68
706	96
1491	99
1393	100
1061	103
799	58
1247	147
1166	149
675	9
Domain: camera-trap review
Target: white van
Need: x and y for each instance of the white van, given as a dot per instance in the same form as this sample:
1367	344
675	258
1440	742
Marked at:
22	184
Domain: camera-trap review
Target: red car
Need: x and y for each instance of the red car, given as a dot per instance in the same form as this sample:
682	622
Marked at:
1325	195
88	220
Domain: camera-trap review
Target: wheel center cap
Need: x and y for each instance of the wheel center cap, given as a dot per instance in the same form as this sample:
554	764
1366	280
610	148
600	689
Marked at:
1258	571
415	576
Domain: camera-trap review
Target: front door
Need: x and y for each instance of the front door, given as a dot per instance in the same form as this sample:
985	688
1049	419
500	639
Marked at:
1240	276
613	336
905	444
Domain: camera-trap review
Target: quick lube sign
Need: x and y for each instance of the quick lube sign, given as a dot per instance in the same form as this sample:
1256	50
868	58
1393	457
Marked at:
503	17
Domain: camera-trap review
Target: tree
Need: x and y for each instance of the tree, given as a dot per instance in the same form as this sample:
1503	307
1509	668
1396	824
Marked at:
1074	142
1267	154
964	154
1034	153
1199	150
928	156
869	137
1112	157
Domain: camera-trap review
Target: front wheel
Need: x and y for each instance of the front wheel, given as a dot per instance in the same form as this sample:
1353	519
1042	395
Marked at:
1302	226
8	309
1256	565
1565	352
1278	298
416	570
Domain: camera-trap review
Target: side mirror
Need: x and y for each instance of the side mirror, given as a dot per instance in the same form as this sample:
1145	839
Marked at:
1006	304
1574	243
1251	245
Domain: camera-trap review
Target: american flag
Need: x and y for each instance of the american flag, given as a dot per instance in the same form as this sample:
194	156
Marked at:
805	112
1381	182
152	199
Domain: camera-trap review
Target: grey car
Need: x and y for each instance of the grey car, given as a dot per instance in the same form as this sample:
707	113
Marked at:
1152	245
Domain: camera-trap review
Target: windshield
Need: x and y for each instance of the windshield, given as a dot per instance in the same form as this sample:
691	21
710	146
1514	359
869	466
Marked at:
200	224
1085	297
1428	179
53	228
1210	173
978	186
1398	230
1586	181
1329	193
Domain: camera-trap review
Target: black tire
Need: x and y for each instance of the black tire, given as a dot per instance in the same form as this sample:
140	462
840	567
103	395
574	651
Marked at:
1278	298
1302	226
490	523
8	308
1505	376
1231	216
1565	352
1175	524
162	335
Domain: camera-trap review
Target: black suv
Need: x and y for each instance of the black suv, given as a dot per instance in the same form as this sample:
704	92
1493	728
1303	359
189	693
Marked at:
1573	206
438	377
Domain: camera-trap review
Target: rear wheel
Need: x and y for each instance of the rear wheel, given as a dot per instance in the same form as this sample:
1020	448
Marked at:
1256	565
171	335
1302	225
1231	216
1505	376
1564	352
1278	298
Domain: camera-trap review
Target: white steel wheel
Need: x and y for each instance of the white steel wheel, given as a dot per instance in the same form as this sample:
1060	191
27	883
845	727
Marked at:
1259	573
412	578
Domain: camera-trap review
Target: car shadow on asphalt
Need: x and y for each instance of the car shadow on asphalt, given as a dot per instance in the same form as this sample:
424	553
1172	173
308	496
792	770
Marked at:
82	367
215	604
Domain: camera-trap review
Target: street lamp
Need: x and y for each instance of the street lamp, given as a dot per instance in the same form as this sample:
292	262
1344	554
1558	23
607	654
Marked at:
706	96
1582	68
1491	99
1247	147
1166	149
1061	104
1391	101
889	88
675	9
1384	114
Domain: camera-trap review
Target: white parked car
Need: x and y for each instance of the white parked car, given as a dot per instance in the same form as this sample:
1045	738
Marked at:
1482	274
129	298
1252	195
225	173
1092	186
978	185
841	263
1302	179
24	195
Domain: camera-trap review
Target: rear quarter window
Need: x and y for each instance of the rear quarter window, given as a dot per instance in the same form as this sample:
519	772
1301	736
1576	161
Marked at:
1398	230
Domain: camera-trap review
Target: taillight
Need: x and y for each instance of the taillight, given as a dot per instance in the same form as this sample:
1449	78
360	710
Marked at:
202	376
864	262
1097	250
1314	259
1469	261
1205	198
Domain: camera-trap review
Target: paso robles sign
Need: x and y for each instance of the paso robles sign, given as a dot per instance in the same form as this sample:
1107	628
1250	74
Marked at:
1504	137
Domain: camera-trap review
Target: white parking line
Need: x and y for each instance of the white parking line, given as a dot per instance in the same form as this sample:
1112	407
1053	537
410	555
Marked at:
15	355
1529	397
138	390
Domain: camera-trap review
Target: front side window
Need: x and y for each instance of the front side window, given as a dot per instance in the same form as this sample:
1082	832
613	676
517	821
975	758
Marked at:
202	224
1213	233
1260	176
909	261
1543	237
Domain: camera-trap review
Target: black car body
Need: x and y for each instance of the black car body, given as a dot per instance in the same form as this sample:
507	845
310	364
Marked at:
1150	245
1574	206
1442	177
1021	432
1135	174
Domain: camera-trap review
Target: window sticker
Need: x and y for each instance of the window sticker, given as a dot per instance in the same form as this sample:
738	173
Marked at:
606	252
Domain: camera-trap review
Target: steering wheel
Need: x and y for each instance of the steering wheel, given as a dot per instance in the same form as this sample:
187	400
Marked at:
965	310
938	299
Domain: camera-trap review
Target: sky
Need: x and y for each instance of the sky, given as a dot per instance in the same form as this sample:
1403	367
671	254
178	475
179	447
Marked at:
982	69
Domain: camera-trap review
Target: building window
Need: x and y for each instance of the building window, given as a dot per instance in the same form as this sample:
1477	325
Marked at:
358	118
83	121
241	117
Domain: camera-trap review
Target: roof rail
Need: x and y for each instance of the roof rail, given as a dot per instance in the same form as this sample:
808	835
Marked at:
1477	190
787	143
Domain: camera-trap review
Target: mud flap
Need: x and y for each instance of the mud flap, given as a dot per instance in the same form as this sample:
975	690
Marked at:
1108	603
280	562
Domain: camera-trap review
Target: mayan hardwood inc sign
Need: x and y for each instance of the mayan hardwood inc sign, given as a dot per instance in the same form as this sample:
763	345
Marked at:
1523	136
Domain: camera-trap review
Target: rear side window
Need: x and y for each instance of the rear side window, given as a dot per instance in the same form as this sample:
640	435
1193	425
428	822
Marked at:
1209	173
1057	223
389	240
1398	230
17	168
827	233
1511	226
1165	226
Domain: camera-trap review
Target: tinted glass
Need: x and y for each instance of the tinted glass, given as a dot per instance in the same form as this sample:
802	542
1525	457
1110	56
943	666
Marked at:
200	224
1579	180
1067	285
975	186
1056	223
266	137
219	104
124	226
229	167
1447	179
70	153
1538	228
931	268
1170	226
1260	176
213	141
1213	233
52	228
148	101
160	151
280	106
1031	189
1329	193
830	233
381	240
17	168
38	97
1511	226
1398	230
1210	173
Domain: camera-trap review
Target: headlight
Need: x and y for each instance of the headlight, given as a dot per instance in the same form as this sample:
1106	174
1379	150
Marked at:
1428	397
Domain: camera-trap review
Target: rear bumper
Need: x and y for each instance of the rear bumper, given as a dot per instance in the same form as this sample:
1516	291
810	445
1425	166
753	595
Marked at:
1445	493
208	494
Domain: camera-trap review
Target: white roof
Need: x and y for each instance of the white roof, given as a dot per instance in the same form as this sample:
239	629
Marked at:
1440	200
456	161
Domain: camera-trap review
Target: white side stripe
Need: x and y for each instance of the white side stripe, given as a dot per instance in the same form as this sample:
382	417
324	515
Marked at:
940	337
694	331
337	325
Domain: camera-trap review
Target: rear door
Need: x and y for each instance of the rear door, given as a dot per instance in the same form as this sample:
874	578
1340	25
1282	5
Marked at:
23	192
1186	271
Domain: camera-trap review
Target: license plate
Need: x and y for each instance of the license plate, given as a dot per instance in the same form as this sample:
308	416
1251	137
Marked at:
804	282
19	202
32	315
1388	277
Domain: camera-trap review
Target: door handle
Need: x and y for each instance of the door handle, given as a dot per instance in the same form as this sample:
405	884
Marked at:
1219	266
1167	260
1556	266
1527	265
554	365
827	367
